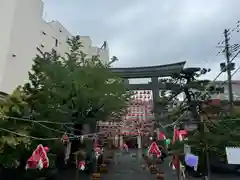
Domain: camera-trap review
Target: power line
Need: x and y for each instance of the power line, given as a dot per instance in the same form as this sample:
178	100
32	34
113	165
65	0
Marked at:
236	71
67	123
33	121
48	139
56	130
41	124
232	74
27	136
46	127
220	120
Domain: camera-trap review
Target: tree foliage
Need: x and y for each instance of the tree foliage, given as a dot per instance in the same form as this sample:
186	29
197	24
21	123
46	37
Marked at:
73	87
70	88
219	132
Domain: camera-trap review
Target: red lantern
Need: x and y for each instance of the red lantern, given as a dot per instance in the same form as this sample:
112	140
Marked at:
154	150
39	158
65	138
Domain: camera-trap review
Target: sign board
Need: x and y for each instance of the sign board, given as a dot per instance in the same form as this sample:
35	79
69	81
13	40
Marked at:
232	154
187	149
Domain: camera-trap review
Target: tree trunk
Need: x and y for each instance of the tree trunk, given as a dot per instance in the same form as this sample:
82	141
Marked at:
75	143
89	146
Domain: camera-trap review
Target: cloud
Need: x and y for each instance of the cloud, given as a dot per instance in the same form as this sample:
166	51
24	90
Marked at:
127	15
153	32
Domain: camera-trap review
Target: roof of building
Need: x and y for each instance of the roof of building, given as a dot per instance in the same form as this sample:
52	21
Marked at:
237	82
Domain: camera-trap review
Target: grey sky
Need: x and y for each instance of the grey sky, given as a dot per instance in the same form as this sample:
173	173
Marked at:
152	32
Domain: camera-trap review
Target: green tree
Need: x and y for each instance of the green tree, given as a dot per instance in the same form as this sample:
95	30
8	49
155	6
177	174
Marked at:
211	135
73	88
70	88
13	147
188	85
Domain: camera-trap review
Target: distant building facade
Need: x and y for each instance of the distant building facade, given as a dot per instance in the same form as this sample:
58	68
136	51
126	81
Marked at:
235	87
24	33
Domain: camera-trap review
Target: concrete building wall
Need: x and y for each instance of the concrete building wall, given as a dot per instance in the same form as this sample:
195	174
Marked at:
24	33
235	87
23	30
6	7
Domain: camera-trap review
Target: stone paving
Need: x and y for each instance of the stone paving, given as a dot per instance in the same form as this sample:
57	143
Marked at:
128	167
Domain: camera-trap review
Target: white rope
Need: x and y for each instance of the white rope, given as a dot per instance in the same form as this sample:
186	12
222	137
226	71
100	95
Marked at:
93	134
41	124
27	136
29	120
48	139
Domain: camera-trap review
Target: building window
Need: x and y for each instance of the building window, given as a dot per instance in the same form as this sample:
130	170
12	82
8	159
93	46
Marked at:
47	55
40	51
13	55
44	33
54	51
42	46
56	42
60	30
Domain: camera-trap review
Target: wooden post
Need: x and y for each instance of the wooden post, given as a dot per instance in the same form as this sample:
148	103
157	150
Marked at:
77	174
77	158
178	168
206	153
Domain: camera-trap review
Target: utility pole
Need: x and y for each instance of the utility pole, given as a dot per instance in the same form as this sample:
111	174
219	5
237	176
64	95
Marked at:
205	150
228	68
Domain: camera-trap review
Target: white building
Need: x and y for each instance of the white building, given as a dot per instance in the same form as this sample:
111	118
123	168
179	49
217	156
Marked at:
23	31
235	88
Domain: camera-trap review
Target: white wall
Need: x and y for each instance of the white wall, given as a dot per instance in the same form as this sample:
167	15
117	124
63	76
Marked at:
236	92
6	7
22	31
24	34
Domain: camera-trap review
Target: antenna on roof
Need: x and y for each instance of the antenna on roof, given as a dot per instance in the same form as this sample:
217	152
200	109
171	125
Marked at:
104	46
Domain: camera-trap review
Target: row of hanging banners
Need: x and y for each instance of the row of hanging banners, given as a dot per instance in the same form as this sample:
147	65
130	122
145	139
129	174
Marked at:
141	102
39	158
178	135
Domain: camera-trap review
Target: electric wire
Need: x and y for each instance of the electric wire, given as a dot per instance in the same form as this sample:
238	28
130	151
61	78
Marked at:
68	123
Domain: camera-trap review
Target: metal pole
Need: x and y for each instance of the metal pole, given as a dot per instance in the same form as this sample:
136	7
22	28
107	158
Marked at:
230	91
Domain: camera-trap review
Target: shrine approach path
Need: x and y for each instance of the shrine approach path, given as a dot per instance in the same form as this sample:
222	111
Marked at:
128	166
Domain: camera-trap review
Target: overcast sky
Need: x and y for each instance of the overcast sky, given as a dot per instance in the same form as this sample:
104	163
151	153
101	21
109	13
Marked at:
153	32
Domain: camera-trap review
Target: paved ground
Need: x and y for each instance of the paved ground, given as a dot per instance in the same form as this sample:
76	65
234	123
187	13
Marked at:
171	175
128	167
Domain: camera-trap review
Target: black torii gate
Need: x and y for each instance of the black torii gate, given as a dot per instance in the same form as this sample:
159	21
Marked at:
153	72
